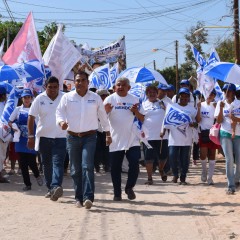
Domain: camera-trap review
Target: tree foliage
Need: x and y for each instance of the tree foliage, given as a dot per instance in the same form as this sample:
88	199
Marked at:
225	50
45	36
189	67
9	27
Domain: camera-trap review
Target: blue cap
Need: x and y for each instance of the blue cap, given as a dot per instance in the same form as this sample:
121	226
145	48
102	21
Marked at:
185	81
171	87
26	92
229	86
162	86
184	90
196	92
3	90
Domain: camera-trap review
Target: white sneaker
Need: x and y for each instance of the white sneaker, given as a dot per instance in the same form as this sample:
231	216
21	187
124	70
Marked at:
78	204
88	204
204	176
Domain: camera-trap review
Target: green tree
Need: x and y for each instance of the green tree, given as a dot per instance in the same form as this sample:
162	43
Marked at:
169	74
46	35
189	67
12	28
225	50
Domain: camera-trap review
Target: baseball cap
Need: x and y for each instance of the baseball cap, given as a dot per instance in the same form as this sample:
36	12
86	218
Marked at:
26	92
229	86
162	86
171	87
185	81
196	92
3	90
184	90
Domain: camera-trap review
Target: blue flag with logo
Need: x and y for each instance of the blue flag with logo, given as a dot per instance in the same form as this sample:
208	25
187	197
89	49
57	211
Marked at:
198	56
139	90
100	78
10	105
114	72
176	119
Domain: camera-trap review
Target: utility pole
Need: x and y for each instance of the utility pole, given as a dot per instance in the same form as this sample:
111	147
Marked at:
7	37
236	31
154	64
176	83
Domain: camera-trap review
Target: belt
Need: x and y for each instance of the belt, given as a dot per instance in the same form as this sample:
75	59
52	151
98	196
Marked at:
82	134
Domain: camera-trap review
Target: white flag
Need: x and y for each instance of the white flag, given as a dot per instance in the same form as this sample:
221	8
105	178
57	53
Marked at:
61	56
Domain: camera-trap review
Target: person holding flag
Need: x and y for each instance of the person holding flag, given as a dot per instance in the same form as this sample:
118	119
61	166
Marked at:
180	118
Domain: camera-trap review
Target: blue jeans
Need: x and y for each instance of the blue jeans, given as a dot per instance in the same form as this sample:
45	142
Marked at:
81	152
179	156
52	152
231	149
116	158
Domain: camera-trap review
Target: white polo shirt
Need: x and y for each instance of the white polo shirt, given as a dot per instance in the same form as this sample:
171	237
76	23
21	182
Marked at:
121	122
82	113
44	109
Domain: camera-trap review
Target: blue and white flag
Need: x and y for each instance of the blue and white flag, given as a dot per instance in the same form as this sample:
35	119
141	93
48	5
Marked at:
176	119
213	57
114	72
198	56
139	90
100	77
219	92
9	106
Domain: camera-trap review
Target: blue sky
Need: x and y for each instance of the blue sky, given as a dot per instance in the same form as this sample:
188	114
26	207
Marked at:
147	24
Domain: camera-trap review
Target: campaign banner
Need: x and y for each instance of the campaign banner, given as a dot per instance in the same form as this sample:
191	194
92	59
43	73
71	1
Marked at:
111	53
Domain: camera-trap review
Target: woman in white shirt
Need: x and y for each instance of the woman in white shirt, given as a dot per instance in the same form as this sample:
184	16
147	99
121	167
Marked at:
207	147
153	111
229	145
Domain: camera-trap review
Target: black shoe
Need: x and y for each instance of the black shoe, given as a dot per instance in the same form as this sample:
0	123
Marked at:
130	193
27	188
115	198
56	193
175	179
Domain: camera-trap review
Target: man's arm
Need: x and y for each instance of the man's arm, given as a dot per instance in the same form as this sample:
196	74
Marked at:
31	135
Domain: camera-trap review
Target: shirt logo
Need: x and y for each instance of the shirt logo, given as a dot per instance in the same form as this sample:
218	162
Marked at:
42	103
91	101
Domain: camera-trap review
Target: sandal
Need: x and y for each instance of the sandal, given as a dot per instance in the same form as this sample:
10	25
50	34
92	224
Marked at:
149	182
163	175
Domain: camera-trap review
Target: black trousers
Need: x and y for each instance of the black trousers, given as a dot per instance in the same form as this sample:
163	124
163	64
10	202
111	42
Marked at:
28	160
102	152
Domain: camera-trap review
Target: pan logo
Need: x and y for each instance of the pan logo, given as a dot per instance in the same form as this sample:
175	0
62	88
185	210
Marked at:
104	79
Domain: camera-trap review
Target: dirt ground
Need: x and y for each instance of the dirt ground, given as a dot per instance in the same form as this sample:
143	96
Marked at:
161	211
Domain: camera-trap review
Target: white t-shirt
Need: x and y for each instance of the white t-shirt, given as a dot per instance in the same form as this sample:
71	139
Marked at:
121	122
82	113
183	137
207	115
235	108
45	109
154	114
226	123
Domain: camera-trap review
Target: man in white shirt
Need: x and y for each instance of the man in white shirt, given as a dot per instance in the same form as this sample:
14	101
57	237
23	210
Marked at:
78	112
50	140
119	107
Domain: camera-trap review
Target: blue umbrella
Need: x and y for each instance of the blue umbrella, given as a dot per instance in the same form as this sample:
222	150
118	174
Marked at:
8	73
142	74
225	71
33	68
